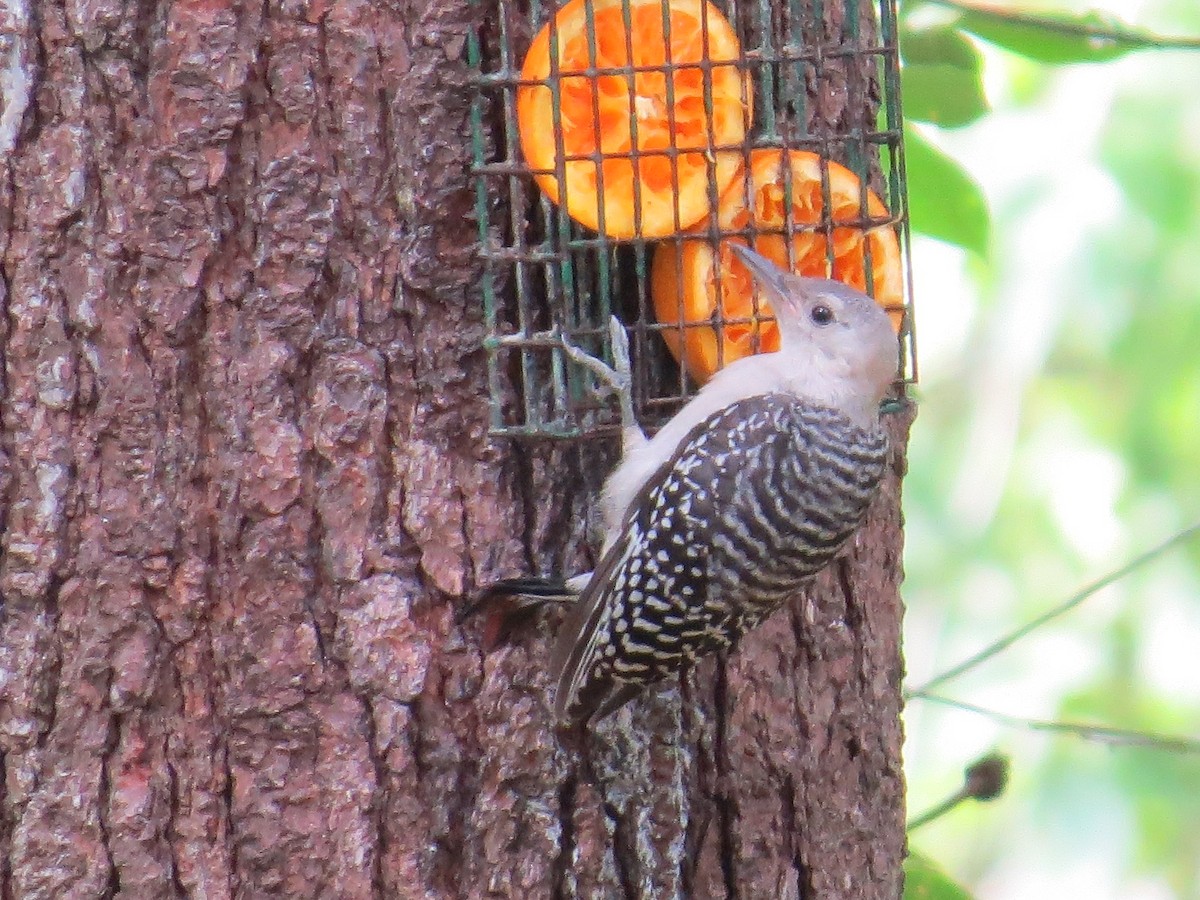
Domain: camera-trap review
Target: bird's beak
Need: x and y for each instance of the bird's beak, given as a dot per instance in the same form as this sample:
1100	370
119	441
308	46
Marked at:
766	273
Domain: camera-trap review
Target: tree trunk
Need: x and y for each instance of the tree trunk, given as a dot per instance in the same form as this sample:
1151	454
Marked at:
247	483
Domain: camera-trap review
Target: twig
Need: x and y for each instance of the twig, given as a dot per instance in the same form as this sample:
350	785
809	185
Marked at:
985	779
1130	37
1102	734
1009	639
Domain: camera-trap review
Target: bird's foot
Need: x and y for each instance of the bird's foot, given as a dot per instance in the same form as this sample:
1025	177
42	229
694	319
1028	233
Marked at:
617	378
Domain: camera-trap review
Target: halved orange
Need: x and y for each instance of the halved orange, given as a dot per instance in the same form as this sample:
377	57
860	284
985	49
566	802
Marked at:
616	182
685	288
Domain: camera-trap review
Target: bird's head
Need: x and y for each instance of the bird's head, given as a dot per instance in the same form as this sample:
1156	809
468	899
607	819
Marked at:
842	338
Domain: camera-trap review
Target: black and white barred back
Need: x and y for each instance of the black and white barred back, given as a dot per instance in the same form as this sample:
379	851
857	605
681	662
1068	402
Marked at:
758	499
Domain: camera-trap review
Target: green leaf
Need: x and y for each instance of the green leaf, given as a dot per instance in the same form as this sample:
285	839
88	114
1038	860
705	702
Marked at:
944	202
925	881
942	80
1060	37
940	45
941	95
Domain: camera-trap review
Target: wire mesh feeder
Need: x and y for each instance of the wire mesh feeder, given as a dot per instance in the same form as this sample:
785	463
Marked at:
619	145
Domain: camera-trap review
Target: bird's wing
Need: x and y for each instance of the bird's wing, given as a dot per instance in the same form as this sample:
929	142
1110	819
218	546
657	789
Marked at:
575	650
661	595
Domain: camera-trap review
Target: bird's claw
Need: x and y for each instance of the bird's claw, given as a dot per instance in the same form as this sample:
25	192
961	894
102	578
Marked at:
617	378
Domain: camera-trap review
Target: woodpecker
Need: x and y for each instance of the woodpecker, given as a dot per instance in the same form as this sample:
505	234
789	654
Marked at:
741	498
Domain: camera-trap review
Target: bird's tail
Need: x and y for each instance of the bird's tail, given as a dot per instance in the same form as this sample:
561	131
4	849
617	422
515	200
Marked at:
533	590
512	601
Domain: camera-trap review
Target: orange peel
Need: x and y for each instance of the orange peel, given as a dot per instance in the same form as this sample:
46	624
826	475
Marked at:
635	147
712	321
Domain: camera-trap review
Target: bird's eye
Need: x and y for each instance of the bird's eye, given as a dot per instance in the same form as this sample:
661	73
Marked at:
821	315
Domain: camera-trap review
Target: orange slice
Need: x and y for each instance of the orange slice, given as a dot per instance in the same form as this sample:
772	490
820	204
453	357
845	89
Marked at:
631	186
685	288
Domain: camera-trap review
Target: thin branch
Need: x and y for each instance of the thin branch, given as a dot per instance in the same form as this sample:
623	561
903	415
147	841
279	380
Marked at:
936	812
1099	733
1009	639
983	780
1122	35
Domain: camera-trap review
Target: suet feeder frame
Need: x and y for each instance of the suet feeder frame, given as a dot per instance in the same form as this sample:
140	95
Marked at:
545	275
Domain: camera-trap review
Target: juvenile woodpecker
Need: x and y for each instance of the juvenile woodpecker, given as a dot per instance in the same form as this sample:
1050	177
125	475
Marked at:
742	497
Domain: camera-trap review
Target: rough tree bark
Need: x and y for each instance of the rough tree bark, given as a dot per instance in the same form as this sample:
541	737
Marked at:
246	482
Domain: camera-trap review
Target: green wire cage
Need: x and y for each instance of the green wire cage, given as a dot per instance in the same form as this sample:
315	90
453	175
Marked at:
628	113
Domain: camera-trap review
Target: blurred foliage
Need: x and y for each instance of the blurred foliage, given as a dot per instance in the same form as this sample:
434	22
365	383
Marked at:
1059	436
944	202
942	85
1057	37
942	77
925	881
